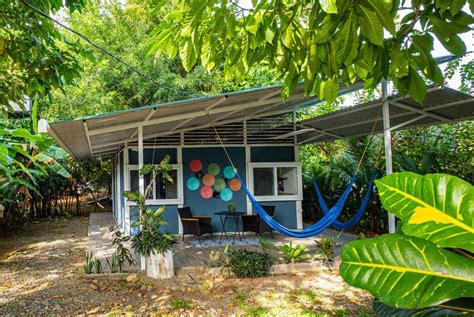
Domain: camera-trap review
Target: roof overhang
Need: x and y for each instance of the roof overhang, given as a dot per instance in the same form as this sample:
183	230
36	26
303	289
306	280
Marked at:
105	134
441	105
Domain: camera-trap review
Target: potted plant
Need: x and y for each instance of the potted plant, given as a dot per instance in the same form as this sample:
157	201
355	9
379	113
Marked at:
232	207
150	241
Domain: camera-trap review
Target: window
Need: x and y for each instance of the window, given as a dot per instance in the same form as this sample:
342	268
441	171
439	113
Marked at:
163	191
263	181
276	181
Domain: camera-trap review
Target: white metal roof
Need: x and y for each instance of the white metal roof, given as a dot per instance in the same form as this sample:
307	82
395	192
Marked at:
441	105
106	133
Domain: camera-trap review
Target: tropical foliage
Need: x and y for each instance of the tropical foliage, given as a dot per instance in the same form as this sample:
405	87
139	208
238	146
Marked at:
25	160
34	56
150	239
416	270
323	43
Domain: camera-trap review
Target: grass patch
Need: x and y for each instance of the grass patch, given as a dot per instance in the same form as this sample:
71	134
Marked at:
180	304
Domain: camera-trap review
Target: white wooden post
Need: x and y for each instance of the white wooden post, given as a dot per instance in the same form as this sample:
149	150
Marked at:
141	180
126	177
388	145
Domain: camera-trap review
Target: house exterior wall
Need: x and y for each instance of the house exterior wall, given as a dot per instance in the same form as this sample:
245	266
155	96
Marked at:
285	212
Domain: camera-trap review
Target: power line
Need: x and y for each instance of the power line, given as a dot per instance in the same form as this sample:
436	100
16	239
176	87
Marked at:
107	52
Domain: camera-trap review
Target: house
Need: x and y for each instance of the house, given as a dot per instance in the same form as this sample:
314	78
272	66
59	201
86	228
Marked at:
256	127
255	130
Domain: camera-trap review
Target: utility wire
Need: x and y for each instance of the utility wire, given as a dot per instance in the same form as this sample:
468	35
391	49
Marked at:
107	52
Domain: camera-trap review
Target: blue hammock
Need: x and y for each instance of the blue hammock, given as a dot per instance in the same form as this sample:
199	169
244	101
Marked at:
356	218
329	217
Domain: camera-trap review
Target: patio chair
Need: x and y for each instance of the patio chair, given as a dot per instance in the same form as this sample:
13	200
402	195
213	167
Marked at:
253	223
195	225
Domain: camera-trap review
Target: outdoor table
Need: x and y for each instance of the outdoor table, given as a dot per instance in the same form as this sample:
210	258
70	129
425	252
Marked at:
223	216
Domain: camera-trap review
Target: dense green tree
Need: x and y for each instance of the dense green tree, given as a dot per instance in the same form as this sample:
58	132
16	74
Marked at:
34	56
323	43
108	85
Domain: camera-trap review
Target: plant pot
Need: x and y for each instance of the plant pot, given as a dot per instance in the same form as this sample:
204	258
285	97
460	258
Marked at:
160	265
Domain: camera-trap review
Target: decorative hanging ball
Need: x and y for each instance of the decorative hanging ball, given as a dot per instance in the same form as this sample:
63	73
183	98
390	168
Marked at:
226	194
213	169
192	183
195	165
208	179
229	172
206	192
219	185
235	184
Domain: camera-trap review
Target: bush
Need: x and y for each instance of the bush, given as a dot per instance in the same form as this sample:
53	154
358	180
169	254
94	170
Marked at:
293	254
245	263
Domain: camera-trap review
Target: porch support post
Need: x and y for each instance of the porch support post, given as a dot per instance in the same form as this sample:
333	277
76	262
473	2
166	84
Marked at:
127	220
247	171
388	145
141	180
299	205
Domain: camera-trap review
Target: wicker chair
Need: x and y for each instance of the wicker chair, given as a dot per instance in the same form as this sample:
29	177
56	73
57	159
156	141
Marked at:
195	225
253	223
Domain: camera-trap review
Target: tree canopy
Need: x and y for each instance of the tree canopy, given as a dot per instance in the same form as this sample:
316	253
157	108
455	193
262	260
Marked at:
34	56
323	42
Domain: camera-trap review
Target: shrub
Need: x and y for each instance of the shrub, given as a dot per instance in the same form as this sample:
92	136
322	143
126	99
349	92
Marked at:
293	254
325	248
245	263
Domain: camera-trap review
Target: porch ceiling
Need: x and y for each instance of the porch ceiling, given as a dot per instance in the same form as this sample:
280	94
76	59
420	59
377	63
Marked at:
442	105
163	123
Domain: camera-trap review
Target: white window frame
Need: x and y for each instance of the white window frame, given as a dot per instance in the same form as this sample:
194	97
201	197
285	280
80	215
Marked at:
177	201
275	165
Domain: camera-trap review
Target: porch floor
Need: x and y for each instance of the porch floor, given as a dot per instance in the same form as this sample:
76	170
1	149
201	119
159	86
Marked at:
187	255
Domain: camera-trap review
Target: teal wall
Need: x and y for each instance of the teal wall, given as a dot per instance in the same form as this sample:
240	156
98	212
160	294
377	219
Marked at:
207	207
285	211
150	156
272	154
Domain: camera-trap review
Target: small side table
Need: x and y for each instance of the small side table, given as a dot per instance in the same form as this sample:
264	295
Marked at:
224	215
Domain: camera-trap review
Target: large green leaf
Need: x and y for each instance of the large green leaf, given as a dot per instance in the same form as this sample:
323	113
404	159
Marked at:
371	26
436	207
407	272
457	307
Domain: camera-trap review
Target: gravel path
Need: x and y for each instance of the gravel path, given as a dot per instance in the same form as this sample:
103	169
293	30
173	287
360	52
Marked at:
41	274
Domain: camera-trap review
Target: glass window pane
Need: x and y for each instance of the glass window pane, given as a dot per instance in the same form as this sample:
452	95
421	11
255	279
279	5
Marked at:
166	189
134	181
263	182
287	180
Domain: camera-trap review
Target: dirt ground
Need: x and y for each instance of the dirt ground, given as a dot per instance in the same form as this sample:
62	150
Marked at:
41	274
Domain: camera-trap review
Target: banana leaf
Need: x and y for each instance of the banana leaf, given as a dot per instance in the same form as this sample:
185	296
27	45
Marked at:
457	307
435	207
407	272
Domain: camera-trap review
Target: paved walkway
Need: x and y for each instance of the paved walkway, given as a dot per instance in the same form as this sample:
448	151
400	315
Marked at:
186	255
100	238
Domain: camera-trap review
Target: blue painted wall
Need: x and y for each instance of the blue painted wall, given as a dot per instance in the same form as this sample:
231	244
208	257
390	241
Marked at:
272	154
207	207
170	216
285	212
150	158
